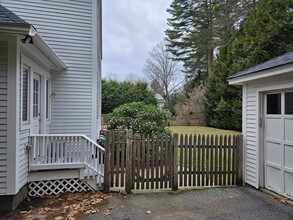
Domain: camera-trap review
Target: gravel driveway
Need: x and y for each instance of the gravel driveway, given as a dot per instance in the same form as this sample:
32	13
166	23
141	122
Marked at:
216	203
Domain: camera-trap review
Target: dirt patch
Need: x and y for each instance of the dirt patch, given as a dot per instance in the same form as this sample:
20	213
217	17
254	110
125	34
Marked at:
64	206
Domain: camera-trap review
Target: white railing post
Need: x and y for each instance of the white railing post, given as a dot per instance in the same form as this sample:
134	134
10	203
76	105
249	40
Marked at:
50	151
31	151
82	148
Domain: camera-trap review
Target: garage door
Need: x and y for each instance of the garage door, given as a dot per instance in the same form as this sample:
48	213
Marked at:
279	142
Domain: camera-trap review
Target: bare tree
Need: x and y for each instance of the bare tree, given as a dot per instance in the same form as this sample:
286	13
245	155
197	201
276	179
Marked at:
111	76
134	78
192	105
162	71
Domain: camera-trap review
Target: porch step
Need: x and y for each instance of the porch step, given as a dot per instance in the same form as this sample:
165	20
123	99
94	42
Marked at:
92	182
54	175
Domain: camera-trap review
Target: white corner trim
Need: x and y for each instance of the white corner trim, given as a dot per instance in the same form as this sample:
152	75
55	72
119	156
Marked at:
12	116
244	126
94	69
258	140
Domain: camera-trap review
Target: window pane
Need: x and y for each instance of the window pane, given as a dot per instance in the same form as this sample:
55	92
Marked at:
25	82
289	103
47	99
35	98
274	103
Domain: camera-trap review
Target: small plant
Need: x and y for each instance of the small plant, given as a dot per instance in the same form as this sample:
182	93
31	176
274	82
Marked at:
101	140
143	119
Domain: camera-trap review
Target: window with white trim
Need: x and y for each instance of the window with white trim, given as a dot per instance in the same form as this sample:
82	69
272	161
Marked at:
48	103
36	98
25	92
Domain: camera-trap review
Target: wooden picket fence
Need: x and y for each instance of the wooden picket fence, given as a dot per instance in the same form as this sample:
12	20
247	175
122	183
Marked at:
171	162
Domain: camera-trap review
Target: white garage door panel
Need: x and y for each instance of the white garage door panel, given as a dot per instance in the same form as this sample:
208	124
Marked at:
274	153
273	179
271	131
289	157
279	143
289	129
289	184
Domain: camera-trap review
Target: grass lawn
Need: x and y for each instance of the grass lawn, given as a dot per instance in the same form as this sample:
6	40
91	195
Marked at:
201	130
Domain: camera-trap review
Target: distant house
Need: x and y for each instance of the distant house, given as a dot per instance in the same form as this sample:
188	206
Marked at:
268	123
160	100
50	97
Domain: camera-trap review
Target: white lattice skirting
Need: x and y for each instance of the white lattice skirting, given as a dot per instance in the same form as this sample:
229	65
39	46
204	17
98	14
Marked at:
55	187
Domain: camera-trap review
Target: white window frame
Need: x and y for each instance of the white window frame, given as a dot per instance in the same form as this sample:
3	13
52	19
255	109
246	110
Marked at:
48	96
25	124
45	74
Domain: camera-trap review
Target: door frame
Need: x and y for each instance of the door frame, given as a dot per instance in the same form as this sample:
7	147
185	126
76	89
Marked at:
261	142
261	129
44	75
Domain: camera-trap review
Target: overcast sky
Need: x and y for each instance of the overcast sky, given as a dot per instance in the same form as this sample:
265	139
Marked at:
130	29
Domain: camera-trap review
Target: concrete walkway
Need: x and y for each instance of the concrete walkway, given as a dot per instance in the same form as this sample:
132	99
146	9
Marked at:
216	203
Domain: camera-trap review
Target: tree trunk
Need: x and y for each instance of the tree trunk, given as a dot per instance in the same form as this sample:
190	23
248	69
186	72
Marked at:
210	59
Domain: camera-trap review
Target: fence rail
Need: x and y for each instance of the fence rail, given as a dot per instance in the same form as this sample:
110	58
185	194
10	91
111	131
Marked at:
171	162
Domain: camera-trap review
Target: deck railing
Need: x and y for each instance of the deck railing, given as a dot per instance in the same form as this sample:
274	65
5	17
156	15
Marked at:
52	152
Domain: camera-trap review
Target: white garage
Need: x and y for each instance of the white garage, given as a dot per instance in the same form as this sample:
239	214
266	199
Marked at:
267	128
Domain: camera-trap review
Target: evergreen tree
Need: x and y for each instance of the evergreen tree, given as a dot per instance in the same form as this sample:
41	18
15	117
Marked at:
196	29
265	33
116	93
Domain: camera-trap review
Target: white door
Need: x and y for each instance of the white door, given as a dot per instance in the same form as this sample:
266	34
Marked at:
279	142
36	103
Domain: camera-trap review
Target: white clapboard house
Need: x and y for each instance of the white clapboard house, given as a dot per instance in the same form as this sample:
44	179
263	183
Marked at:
50	92
267	117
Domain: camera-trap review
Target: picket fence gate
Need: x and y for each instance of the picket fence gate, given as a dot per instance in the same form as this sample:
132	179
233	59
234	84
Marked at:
171	162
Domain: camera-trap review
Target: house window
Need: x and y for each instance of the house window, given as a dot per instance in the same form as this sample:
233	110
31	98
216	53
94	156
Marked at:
274	103
289	103
47	99
36	94
25	94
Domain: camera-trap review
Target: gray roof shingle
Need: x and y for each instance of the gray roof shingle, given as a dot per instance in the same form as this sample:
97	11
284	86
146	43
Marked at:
277	61
8	17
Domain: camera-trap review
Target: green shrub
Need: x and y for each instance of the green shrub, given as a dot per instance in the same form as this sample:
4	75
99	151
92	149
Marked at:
143	119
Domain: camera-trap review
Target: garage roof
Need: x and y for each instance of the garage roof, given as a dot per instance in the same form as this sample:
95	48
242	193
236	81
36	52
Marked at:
8	17
277	61
262	69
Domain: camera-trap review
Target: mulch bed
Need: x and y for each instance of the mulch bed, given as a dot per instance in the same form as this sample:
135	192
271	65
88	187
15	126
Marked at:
67	206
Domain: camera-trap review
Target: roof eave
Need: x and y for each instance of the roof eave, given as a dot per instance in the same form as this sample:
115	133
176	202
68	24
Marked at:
15	29
239	80
47	50
38	41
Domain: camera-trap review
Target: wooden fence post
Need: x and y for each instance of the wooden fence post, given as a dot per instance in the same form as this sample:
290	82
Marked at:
107	162
175	162
239	160
129	145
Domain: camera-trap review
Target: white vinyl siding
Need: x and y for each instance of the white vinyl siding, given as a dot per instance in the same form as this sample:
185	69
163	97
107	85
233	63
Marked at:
251	123
67	26
23	158
3	117
252	136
